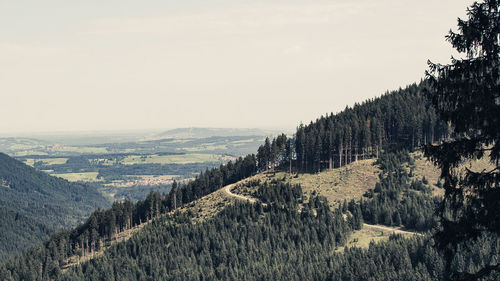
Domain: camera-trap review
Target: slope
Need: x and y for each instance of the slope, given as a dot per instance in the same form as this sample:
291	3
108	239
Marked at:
18	232
36	203
337	186
221	236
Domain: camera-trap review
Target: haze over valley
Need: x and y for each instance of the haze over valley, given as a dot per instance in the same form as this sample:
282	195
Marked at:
250	140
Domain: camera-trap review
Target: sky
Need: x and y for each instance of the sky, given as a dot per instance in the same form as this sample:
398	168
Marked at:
126	65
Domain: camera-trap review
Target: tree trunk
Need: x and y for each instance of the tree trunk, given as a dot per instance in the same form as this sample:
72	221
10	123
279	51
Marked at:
346	155
340	156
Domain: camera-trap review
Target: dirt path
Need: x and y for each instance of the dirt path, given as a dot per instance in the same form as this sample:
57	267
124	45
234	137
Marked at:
228	188
386	228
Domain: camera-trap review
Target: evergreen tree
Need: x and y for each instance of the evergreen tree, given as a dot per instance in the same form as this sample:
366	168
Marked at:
466	93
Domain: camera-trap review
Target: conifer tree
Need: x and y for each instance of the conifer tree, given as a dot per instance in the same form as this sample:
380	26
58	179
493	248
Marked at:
466	94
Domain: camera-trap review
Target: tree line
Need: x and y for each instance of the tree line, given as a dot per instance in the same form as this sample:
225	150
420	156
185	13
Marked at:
404	118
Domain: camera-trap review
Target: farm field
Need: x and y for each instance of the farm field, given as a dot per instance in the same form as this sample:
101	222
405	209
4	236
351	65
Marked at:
132	168
75	177
46	161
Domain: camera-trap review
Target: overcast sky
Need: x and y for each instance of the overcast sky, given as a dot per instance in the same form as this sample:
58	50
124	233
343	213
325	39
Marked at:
121	65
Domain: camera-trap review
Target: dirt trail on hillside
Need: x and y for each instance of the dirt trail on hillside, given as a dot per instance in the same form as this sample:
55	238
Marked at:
228	188
386	228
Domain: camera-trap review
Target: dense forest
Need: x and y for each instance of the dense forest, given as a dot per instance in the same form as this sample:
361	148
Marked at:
52	200
35	204
275	241
400	119
396	200
18	232
103	225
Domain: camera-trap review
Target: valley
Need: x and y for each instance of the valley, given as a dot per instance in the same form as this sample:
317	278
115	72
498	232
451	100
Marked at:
132	168
403	185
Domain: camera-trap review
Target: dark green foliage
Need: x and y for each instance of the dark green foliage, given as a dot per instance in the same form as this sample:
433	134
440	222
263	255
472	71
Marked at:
244	242
274	154
103	225
215	178
396	201
47	199
279	193
466	93
17	233
400	119
40	202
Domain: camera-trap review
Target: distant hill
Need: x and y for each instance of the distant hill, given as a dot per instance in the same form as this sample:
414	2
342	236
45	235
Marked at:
11	144
213	132
33	199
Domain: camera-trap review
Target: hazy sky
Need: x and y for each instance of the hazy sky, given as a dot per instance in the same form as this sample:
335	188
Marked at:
114	65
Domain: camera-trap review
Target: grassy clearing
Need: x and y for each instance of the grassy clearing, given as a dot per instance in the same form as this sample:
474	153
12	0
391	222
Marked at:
346	183
208	206
363	237
87	176
424	167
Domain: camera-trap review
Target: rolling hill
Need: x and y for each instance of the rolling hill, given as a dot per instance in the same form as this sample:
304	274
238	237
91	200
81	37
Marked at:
195	132
34	202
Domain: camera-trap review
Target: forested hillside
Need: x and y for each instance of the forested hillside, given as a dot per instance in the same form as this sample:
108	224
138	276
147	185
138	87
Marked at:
36	204
103	225
399	119
18	232
284	239
285	235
